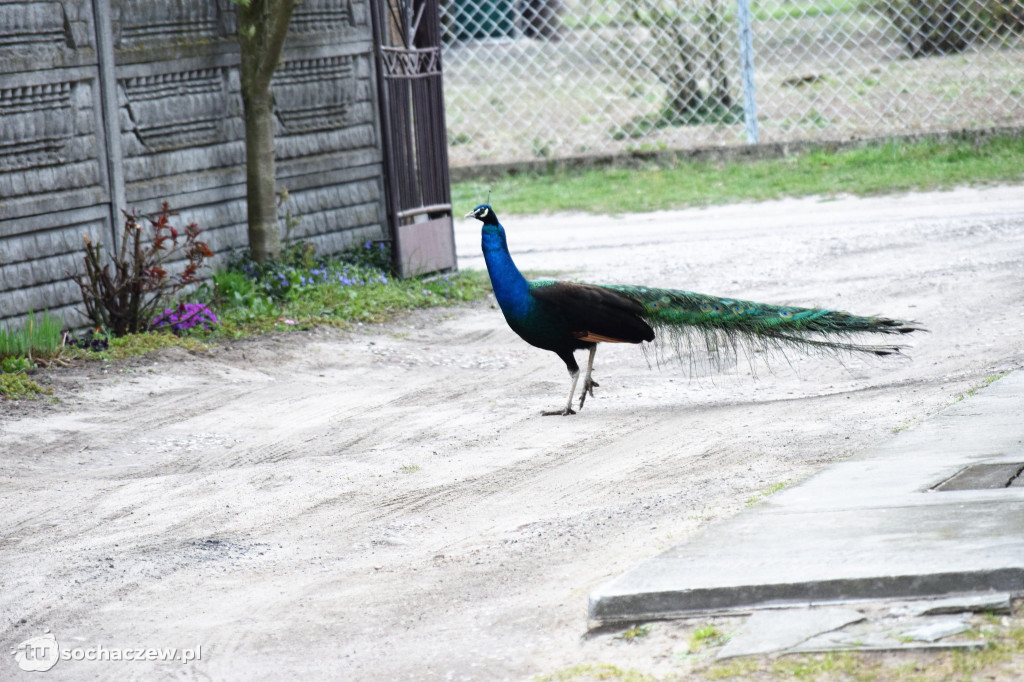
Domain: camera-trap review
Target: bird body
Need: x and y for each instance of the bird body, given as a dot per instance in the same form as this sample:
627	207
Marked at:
563	317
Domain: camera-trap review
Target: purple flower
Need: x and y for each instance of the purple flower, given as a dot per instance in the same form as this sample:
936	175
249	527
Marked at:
185	316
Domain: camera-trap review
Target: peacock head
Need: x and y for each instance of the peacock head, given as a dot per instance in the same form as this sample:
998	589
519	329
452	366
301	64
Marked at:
484	214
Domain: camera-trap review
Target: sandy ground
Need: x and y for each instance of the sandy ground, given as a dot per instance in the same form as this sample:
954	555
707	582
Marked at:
389	504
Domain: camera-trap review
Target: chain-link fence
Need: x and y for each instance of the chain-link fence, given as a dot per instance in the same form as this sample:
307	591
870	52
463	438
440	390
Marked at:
535	79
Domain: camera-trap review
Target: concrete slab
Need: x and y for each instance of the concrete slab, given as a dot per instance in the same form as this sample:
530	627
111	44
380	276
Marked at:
872	527
939	628
775	630
871	638
997	602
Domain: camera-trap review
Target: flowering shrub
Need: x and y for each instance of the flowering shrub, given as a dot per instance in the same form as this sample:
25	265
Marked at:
124	299
185	316
298	268
444	286
92	339
301	289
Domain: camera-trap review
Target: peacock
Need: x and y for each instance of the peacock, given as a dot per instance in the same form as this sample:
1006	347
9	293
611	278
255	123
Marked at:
564	317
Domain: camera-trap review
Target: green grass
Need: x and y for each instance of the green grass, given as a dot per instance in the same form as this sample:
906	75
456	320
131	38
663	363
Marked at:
973	390
587	672
767	491
878	169
302	289
336	305
326	304
296	292
37	338
147	342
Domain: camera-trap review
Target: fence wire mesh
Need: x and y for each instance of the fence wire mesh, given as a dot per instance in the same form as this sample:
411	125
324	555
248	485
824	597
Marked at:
536	79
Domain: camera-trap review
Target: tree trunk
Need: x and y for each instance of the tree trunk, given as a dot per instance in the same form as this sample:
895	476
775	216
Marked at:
934	27
716	61
684	93
261	193
262	26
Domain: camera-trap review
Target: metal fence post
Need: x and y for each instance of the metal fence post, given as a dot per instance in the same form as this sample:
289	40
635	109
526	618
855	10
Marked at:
747	67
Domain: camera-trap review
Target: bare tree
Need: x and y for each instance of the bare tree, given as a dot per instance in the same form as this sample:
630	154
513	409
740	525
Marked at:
262	26
717	77
935	27
679	60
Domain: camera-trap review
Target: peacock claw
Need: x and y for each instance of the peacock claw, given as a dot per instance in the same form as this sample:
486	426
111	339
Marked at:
588	387
558	413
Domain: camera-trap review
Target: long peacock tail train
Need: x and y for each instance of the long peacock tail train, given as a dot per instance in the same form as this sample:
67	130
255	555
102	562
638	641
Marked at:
698	325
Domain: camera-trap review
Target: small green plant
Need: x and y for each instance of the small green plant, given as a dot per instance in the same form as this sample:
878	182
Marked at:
37	339
705	636
19	386
973	390
409	468
13	364
130	345
767	491
146	342
125	299
634	633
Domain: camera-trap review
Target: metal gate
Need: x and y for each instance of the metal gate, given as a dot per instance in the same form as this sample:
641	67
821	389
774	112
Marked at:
408	45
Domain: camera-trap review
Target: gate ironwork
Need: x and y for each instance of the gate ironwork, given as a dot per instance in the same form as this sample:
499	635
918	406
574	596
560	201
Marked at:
411	95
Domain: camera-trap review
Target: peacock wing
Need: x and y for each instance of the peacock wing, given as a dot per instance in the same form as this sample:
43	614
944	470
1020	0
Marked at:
593	313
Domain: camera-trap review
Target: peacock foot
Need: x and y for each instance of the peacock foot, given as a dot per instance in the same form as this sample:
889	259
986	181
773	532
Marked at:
588	387
559	413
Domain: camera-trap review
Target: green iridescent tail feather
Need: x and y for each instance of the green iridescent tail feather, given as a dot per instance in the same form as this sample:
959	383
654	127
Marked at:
695	322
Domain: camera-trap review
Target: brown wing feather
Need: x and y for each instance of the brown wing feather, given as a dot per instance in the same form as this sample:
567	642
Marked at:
590	336
596	314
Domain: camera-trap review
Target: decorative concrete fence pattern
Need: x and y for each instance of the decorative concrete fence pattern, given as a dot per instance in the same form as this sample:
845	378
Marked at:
111	104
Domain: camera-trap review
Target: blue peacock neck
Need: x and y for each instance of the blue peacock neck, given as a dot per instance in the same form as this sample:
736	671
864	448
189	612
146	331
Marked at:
510	287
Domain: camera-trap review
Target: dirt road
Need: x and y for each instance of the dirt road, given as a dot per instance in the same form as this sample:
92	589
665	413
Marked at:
389	504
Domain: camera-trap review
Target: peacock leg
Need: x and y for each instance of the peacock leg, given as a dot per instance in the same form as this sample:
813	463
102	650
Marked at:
588	383
575	374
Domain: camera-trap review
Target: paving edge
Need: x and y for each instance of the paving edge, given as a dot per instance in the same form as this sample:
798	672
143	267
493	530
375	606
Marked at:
612	608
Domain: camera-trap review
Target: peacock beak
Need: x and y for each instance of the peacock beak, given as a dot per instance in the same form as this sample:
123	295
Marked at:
469	215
